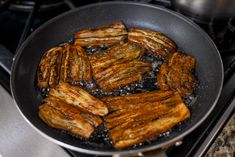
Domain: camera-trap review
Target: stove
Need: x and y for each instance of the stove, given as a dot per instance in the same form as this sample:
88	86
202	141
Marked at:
19	18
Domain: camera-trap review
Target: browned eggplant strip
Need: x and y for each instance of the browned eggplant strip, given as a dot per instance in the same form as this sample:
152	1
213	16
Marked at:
157	43
105	35
115	55
111	30
120	102
177	74
99	41
78	97
157	36
144	113
60	120
72	111
147	110
75	65
138	116
127	73
141	106
118	66
49	68
131	134
123	70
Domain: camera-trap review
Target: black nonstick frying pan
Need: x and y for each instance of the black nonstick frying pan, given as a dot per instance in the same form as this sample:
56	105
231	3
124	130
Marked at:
188	36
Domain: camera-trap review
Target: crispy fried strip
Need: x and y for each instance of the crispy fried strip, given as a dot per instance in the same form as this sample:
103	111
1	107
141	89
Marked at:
124	74
137	117
120	83
71	111
120	102
105	35
156	36
61	120
78	97
49	68
118	66
115	55
75	65
142	106
157	43
131	134
147	110
122	70
111	30
99	41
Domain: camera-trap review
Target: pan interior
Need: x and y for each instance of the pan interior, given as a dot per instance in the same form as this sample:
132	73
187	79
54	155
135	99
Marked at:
187	36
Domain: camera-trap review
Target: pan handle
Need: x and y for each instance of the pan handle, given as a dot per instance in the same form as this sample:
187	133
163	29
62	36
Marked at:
6	59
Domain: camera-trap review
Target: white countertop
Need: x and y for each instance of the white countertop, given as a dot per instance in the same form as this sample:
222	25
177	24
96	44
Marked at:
17	138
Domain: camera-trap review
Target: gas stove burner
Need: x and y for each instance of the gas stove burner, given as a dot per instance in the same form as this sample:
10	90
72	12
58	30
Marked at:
226	40
229	43
28	5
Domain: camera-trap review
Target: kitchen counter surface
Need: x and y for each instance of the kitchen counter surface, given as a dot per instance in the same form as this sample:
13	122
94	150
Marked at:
224	145
18	138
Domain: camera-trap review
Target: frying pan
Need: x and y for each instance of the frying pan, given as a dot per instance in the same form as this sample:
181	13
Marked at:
187	35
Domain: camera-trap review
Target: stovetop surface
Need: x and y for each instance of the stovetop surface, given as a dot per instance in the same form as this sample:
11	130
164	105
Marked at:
12	26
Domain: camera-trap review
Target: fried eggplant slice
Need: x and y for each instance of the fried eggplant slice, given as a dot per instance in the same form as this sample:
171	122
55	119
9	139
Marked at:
177	73
72	111
75	66
148	110
80	98
118	66
99	41
62	120
156	43
68	63
105	35
126	137
120	102
115	55
122	74
49	68
150	117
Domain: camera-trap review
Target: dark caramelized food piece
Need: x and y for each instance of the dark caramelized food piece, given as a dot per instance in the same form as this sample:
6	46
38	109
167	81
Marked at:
58	114
177	74
157	43
49	68
122	74
139	117
80	98
119	102
72	110
115	55
66	64
106	35
75	66
118	66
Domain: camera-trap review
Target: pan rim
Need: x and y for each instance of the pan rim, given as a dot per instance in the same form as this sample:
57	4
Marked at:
132	150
